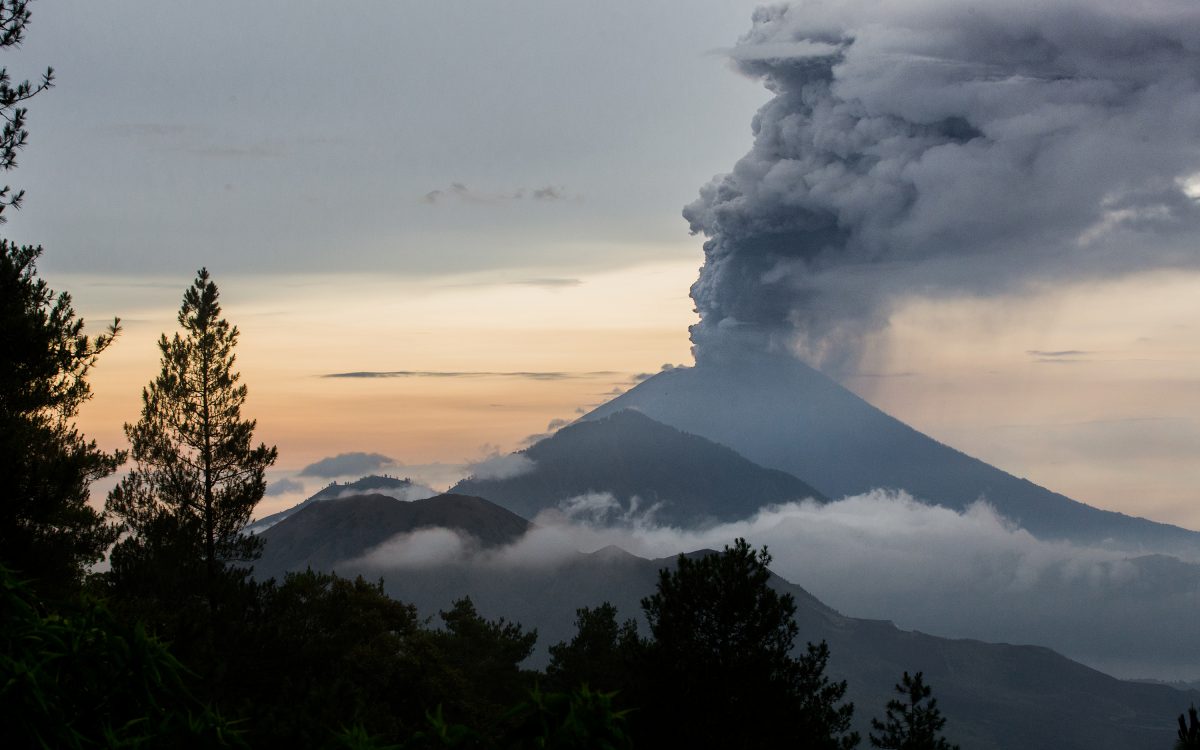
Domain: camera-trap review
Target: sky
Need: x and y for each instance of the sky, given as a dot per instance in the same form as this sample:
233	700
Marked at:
485	201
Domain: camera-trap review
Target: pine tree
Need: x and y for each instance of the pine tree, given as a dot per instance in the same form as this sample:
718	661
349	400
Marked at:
14	17
722	666
913	723
197	476
48	532
1189	731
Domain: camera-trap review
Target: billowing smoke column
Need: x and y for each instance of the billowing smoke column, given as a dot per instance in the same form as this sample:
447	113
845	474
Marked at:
947	147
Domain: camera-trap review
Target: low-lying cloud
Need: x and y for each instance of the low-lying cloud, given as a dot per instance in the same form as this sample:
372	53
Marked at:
501	466
884	555
406	493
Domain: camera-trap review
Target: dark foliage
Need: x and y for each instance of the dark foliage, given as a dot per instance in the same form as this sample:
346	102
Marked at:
603	654
913	722
14	17
83	679
319	652
47	529
1189	731
475	671
578	719
721	665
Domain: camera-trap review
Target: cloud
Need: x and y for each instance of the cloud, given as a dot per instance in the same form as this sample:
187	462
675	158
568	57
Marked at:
1058	353
433	475
354	464
419	549
553	426
548	283
283	486
884	555
603	509
466	374
549	193
459	192
667	367
1061	356
940	148
406	494
497	466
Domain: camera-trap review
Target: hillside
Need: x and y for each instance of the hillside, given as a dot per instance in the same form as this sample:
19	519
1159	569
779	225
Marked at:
399	488
995	695
325	534
692	480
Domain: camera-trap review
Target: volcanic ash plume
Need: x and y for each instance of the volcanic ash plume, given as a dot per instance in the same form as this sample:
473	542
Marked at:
947	147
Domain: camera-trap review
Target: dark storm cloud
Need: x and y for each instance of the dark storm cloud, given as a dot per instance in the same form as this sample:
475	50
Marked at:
926	148
355	464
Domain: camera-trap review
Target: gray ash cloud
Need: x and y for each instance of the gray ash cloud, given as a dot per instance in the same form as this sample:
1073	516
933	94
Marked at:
946	148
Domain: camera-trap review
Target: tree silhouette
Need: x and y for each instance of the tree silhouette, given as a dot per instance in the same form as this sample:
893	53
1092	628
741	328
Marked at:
602	655
721	660
914	723
197	476
1189	731
81	678
47	529
14	17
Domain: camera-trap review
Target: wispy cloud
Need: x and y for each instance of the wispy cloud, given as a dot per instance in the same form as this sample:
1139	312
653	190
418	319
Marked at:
1057	353
501	466
347	464
284	486
469	374
544	282
549	283
1059	356
459	192
553	426
667	367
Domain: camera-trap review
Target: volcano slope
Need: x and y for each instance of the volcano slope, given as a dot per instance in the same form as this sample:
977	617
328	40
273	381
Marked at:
784	415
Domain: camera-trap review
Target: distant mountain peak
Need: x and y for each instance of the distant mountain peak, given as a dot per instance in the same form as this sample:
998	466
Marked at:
689	480
396	487
324	534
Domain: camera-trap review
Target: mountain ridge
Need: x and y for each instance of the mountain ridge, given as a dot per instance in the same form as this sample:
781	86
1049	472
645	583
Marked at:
695	481
333	491
324	535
